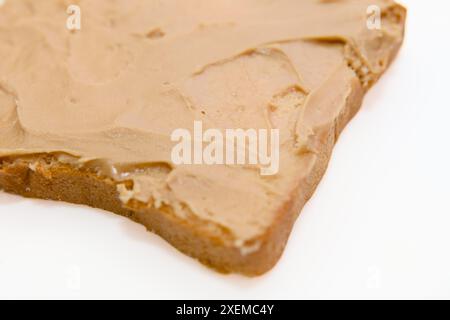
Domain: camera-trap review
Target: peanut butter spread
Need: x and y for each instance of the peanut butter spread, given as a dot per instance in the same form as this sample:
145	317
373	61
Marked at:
108	96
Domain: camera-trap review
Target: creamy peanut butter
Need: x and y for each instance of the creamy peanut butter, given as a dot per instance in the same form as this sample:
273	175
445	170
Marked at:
109	95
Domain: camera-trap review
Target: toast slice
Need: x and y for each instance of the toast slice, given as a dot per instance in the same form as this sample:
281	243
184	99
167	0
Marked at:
87	115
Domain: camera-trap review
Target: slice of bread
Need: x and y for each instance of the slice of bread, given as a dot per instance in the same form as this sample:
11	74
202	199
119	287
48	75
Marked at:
231	219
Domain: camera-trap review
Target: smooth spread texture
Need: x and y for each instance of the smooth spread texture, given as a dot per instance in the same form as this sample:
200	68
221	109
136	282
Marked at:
108	96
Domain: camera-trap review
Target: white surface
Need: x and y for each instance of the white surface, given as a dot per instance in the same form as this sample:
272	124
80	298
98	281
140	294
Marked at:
377	227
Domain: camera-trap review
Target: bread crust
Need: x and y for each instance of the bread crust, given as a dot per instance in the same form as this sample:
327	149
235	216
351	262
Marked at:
54	180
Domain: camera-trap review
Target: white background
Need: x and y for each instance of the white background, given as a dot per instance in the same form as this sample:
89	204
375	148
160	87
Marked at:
377	227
